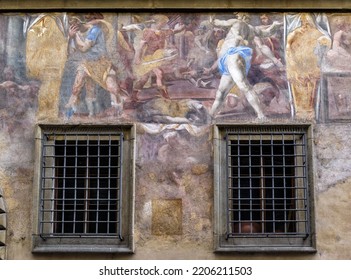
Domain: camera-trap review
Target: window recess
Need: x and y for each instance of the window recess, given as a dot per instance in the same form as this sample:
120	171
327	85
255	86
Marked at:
265	196
81	184
85	186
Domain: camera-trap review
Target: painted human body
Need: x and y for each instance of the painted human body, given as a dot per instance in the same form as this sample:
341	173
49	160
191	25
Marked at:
152	54
235	57
302	63
94	68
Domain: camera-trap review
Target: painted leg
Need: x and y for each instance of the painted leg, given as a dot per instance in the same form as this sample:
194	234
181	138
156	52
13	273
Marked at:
236	68
159	82
138	86
90	96
254	101
79	82
115	93
225	85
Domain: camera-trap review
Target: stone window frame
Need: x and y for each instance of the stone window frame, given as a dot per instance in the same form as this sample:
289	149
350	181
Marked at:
97	243
251	242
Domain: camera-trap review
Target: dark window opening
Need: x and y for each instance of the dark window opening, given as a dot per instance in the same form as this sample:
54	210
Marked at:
266	185
81	185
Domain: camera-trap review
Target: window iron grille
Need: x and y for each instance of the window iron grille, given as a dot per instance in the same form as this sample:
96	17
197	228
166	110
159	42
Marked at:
267	184
81	184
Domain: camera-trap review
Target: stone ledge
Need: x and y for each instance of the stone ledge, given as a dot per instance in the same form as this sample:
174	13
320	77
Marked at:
168	4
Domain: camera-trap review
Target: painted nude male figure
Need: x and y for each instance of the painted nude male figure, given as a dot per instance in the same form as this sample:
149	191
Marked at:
234	60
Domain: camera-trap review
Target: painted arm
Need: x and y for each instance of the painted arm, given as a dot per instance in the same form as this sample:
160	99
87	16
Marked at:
267	52
222	23
337	40
263	31
212	69
178	28
83	45
337	46
198	43
139	51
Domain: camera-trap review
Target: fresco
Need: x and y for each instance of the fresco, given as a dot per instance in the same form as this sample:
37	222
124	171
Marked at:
172	68
336	72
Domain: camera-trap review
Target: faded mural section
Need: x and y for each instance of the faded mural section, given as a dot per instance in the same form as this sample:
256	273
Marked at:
174	192
178	68
182	68
174	75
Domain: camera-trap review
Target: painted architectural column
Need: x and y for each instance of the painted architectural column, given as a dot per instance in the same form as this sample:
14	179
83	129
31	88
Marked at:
15	49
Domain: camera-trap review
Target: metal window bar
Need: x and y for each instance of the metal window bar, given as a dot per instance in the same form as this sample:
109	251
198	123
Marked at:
42	186
229	188
81	192
280	185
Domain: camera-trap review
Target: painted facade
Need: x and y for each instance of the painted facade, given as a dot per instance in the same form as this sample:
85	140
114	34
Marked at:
173	68
175	75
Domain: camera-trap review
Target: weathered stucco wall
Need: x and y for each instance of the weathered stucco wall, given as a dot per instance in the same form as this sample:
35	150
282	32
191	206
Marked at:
174	201
333	191
174	152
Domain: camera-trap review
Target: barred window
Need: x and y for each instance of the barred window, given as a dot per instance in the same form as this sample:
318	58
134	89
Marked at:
264	189
82	190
